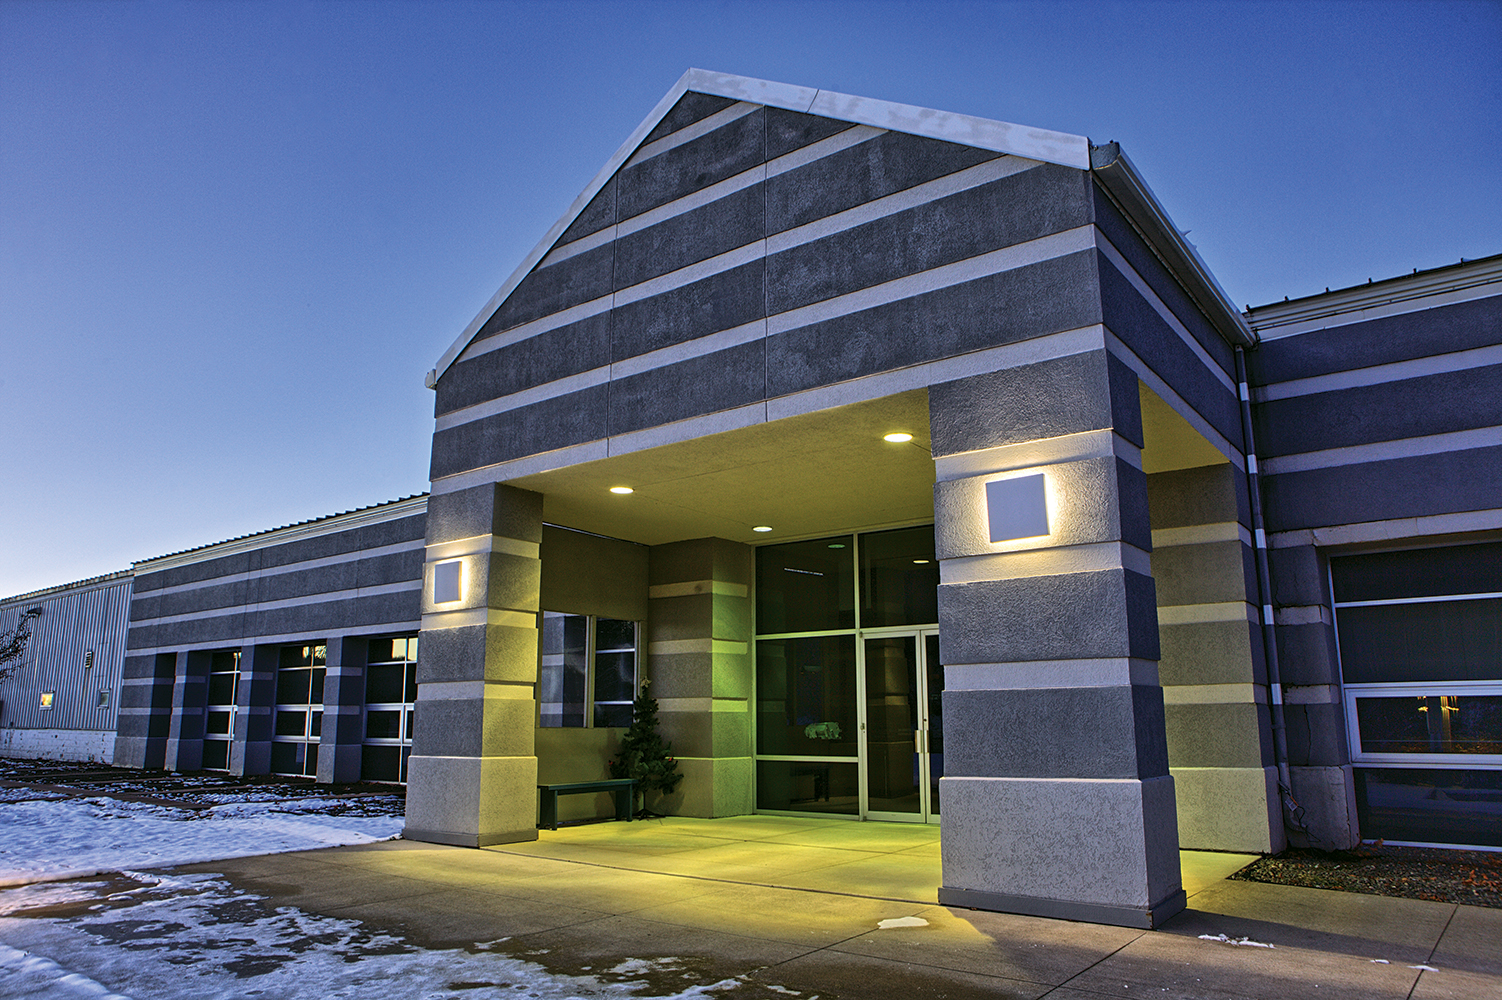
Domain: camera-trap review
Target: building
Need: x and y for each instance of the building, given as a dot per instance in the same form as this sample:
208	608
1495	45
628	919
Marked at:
891	444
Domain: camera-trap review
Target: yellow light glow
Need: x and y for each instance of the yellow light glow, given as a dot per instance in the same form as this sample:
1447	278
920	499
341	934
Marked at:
622	490
898	437
920	562
761	527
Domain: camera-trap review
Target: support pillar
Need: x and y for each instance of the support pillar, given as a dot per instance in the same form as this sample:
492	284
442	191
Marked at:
1057	797
254	698
472	776
144	717
342	737
698	650
185	732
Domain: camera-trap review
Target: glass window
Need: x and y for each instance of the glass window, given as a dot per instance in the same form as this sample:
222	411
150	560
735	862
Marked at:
587	672
806	586
390	692
1428	723
1437	572
219	722
808	786
899	578
298	718
1429	641
1430	805
805	697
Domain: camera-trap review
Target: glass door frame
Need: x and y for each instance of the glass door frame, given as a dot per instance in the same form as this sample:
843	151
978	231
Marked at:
921	696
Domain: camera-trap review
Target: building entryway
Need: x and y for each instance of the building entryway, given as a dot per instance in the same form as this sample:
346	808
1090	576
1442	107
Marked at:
902	745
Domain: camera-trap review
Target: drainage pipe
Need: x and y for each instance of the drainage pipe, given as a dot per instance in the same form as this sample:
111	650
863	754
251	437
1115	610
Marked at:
1293	813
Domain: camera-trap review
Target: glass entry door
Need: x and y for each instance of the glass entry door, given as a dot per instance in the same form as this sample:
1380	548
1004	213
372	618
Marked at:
902	729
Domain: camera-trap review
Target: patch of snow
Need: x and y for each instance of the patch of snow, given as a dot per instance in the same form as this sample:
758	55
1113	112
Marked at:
195	936
1424	968
1380	961
49	840
891	922
1244	942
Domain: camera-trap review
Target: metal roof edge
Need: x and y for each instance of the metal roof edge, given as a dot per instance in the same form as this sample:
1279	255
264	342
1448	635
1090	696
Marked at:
1121	180
391	510
62	588
1400	288
998	136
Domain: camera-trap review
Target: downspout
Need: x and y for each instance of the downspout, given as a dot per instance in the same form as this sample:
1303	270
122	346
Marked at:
1293	813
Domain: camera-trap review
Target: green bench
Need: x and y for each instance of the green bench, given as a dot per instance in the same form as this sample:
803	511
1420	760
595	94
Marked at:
623	788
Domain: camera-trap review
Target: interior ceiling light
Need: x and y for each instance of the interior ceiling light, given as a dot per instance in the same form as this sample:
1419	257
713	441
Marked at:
622	490
898	437
837	545
920	562
761	527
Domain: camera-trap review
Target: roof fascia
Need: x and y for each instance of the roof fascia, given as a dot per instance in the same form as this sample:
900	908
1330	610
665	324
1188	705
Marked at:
1002	137
1403	288
1126	187
294	532
78	586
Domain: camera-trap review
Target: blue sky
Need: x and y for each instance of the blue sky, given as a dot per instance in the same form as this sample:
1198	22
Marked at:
233	236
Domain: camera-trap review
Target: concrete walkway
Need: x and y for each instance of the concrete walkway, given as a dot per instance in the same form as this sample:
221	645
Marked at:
796	904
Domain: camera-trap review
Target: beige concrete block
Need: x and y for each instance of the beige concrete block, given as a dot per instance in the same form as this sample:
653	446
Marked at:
1229	809
471	801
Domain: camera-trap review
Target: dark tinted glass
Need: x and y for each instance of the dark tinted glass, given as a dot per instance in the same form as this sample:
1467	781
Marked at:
217	723
315	693
292	686
291	723
385	650
1433	641
899	578
224	659
564	670
611	633
615	676
381	763
806	586
216	755
616	716
1430	724
808	786
1429	805
296	656
805	697
1454	569
383	683
222	689
383	725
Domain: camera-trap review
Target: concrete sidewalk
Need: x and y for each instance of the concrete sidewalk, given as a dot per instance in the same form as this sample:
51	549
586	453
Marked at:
795	904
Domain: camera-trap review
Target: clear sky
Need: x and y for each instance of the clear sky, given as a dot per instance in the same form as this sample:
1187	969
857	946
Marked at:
234	236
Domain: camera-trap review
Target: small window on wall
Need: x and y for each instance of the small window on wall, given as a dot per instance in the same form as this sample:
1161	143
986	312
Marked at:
587	676
47	697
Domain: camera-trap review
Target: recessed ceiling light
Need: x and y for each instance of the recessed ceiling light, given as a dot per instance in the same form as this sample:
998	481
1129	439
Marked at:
898	437
837	545
622	490
761	527
920	562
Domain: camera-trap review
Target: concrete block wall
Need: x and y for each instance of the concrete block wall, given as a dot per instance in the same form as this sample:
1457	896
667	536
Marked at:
58	744
1212	669
472	776
1378	419
699	660
1057	796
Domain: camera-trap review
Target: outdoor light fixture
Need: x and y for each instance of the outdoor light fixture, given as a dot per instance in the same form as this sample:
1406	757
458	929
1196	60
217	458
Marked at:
1017	507
622	490
446	578
920	562
898	437
762	527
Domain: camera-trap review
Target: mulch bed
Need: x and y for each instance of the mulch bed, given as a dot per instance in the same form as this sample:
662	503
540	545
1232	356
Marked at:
1473	878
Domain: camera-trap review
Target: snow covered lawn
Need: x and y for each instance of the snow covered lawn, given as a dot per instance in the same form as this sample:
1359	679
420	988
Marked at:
50	838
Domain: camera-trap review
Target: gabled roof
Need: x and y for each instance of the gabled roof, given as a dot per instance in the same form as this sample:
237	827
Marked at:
1003	137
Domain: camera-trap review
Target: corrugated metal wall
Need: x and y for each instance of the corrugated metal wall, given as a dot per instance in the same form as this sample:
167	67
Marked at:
75	620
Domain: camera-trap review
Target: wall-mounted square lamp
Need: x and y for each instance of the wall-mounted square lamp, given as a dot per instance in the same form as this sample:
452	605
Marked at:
446	581
1017	508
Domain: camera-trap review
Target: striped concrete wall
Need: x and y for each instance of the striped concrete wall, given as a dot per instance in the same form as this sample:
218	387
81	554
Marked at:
353	574
1379	422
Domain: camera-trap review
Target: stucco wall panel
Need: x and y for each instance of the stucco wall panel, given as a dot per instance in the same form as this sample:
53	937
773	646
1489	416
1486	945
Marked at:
546	357
551	423
705	384
693	165
719	302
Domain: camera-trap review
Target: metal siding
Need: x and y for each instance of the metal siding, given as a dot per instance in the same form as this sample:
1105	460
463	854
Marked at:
72	622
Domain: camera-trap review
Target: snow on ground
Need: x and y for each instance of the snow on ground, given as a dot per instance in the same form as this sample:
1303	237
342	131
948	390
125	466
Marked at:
196	937
56	838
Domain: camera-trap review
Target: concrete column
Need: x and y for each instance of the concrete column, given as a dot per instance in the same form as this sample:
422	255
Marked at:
1213	670
698	657
184	750
1056	798
343	710
145	714
1319	767
251	751
472	777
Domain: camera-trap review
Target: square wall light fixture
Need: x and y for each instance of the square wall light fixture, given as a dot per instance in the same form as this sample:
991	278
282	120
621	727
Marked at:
446	581
1017	508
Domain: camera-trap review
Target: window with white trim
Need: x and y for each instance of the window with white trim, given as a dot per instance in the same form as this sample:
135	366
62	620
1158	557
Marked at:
587	673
